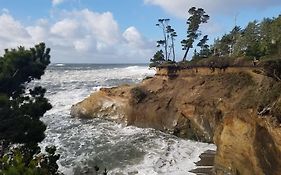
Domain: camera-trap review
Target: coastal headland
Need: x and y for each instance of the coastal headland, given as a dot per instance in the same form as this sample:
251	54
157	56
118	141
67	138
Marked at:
238	109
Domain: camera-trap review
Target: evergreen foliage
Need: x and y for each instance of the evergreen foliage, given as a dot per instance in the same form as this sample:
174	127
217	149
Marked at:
198	16
162	23
21	108
169	37
14	163
272	68
204	47
158	59
171	33
258	44
257	40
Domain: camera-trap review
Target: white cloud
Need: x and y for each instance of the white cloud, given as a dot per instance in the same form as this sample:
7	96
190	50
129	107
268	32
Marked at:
12	32
65	28
11	28
78	36
137	45
180	7
37	33
56	2
101	25
83	45
133	37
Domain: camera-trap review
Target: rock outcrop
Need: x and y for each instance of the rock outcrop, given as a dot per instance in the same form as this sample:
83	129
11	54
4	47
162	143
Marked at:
238	109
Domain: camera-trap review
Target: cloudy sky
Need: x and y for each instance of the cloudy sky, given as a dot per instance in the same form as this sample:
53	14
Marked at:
115	31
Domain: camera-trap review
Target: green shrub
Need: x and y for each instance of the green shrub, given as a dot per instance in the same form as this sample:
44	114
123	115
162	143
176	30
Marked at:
138	94
21	108
15	163
272	68
158	59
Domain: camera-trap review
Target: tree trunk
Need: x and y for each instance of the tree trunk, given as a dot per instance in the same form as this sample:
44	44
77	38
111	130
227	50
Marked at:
165	39
184	57
174	55
166	52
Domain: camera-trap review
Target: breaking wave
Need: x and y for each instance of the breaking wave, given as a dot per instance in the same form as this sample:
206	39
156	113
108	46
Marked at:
121	149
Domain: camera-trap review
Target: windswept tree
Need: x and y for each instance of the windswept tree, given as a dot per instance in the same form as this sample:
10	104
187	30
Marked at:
235	36
163	23
21	108
251	39
222	47
172	34
198	16
276	35
158	58
204	47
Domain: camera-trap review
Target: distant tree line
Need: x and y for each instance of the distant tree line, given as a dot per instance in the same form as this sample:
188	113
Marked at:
256	40
240	47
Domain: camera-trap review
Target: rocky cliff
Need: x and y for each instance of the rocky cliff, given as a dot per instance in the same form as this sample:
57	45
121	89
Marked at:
238	109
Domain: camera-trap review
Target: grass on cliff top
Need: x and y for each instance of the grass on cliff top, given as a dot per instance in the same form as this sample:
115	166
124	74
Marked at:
231	83
261	97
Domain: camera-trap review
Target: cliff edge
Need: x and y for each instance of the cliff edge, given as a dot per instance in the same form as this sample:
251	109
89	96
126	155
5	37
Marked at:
238	109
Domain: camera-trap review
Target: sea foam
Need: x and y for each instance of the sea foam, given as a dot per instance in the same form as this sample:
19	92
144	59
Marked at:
121	149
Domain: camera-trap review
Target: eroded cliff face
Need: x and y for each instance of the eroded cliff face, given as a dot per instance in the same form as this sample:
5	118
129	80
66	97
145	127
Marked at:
248	146
238	110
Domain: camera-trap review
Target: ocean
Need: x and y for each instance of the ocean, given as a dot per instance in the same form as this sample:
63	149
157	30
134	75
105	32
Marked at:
84	144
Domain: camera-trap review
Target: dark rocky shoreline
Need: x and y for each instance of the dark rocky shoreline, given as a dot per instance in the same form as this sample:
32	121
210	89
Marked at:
205	166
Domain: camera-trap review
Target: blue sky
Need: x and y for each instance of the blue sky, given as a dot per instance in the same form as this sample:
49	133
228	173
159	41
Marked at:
115	31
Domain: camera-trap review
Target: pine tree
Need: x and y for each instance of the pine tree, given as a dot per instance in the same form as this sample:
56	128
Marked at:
21	108
198	16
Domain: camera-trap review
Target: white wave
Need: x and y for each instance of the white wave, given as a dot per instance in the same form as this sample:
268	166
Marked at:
128	150
98	76
132	67
97	88
168	155
59	65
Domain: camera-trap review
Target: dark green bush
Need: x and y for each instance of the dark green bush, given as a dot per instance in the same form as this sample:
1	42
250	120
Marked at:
272	68
138	94
14	163
21	108
158	59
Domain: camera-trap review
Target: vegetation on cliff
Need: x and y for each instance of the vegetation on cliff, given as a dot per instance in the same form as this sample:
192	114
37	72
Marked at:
256	40
197	17
258	44
21	108
239	110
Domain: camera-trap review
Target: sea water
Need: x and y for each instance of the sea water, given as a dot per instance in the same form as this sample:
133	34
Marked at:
84	144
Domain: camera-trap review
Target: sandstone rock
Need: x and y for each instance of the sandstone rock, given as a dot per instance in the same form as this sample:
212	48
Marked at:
219	107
